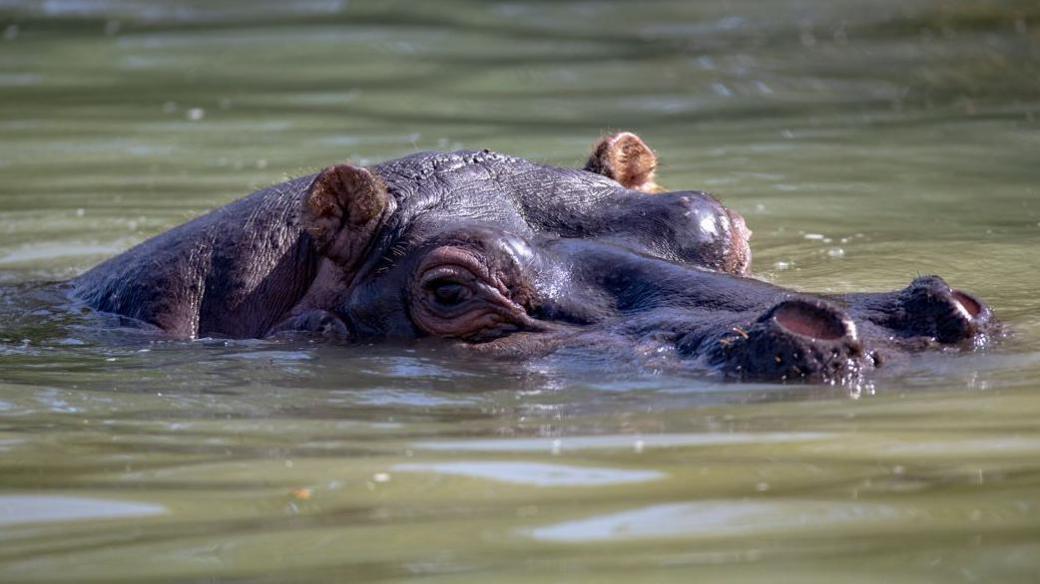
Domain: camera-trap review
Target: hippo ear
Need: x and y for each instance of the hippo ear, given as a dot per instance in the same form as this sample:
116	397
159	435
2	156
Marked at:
343	209
625	158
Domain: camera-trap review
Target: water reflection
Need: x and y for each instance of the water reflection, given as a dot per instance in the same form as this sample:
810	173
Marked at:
725	519
635	443
19	509
535	474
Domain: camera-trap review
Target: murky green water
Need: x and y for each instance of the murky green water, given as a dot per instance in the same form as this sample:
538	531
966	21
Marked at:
866	143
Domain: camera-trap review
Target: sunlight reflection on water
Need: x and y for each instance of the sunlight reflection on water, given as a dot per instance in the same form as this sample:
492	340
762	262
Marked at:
535	474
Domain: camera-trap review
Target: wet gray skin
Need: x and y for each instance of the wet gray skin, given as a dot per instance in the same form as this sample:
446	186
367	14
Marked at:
506	257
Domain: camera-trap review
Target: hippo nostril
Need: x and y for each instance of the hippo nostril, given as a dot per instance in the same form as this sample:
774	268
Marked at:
968	304
933	309
799	338
813	321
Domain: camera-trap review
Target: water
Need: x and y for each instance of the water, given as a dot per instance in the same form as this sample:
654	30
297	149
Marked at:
865	144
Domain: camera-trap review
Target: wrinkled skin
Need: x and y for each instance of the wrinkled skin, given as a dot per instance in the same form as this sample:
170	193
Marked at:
502	256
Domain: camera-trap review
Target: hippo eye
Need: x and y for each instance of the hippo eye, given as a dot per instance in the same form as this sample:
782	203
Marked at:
455	294
449	293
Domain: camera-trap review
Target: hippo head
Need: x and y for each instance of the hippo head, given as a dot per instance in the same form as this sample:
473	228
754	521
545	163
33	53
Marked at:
503	256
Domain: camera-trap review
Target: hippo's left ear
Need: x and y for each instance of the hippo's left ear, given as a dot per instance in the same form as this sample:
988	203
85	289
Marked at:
625	158
343	209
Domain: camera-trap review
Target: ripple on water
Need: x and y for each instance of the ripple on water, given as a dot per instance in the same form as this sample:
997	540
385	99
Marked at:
272	355
724	518
50	251
535	473
621	441
18	509
19	79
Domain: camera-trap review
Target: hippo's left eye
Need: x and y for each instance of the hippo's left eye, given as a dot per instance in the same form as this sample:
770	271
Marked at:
456	295
448	293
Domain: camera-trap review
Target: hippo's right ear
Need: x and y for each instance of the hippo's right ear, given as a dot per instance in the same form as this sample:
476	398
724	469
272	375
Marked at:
343	209
625	158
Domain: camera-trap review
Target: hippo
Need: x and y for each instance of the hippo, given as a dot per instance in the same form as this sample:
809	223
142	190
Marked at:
501	256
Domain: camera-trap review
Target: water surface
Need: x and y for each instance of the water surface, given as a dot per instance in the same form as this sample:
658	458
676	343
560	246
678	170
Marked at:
866	143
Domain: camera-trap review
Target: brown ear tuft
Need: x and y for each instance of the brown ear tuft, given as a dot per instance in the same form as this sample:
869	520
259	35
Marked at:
625	158
343	207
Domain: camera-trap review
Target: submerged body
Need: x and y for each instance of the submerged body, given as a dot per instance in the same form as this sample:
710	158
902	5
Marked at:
503	256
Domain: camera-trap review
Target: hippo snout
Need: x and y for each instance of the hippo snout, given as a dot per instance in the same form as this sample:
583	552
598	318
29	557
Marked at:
933	309
797	339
